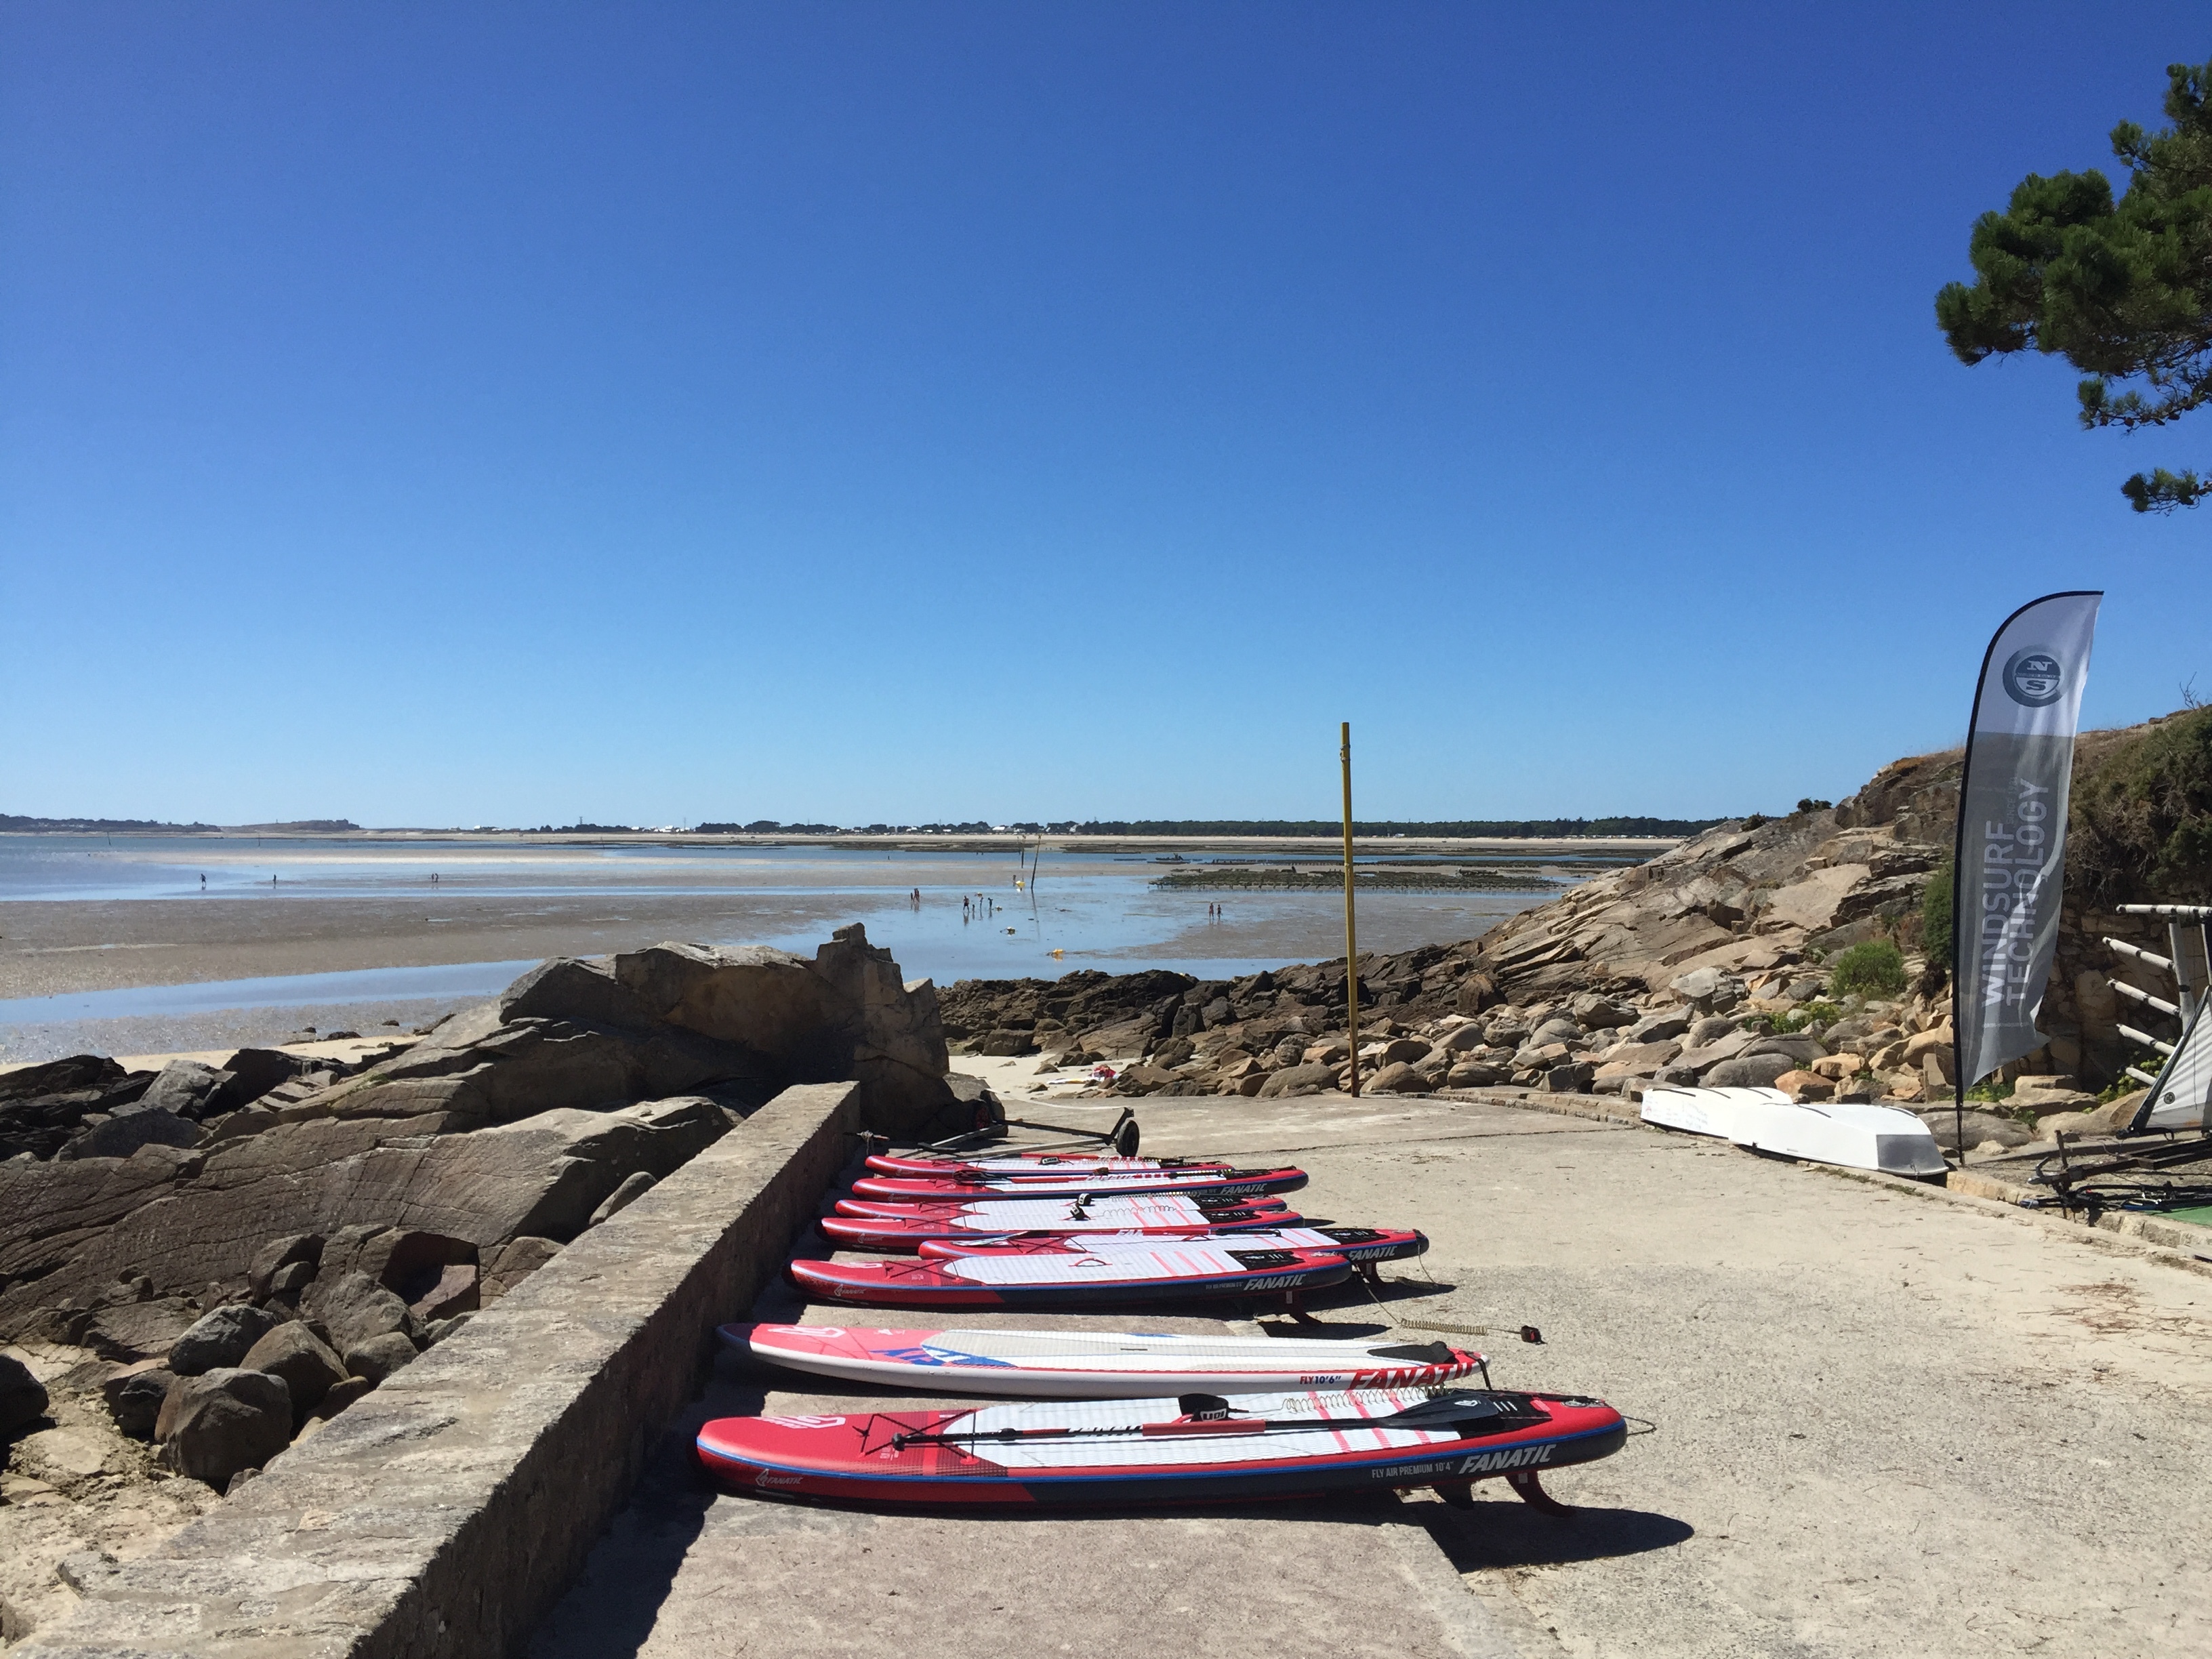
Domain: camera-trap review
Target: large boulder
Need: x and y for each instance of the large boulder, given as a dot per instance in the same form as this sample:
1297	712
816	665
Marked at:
42	1106
125	1133
22	1396
309	1367
211	1426
137	1329
220	1338
1298	1080
355	1309
186	1088
1749	1071
847	1014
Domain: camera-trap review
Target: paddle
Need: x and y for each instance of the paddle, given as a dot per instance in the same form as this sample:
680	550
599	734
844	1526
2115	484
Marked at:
1208	1413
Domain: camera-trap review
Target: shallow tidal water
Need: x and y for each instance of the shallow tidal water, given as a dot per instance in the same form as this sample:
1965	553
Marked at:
133	953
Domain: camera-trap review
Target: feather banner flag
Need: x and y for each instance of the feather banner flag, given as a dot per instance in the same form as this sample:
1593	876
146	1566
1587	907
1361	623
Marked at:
2012	828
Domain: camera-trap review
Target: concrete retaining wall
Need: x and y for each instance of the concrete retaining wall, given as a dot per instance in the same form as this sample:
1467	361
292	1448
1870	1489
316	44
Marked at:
445	1514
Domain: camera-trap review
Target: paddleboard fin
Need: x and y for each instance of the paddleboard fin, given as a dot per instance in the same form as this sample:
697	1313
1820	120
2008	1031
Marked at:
1532	1492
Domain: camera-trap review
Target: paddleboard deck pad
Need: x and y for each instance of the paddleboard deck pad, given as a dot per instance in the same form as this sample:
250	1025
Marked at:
1197	1448
1067	1280
1098	1364
883	1233
1231	1183
1357	1244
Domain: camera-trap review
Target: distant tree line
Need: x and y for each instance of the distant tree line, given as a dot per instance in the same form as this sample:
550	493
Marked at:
1493	828
10	821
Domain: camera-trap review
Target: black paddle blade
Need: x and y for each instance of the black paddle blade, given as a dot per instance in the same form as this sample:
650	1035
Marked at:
1428	1353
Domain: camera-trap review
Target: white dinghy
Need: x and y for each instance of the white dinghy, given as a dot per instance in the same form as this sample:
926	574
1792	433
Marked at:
1859	1137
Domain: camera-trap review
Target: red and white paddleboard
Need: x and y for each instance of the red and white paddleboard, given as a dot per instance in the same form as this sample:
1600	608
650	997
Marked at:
1098	1364
905	1234
979	1184
1171	1273
940	1164
1199	1448
1353	1244
1011	1214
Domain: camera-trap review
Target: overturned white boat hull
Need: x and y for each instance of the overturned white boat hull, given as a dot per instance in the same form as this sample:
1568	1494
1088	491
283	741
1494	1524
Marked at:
1859	1137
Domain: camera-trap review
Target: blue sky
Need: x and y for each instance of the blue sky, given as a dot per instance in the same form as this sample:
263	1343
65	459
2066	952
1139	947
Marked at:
451	415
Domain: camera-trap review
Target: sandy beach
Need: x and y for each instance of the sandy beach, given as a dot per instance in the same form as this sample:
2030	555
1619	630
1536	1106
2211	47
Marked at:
87	917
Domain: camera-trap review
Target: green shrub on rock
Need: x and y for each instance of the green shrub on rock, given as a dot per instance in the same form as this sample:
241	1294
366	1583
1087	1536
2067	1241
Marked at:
1876	967
1935	914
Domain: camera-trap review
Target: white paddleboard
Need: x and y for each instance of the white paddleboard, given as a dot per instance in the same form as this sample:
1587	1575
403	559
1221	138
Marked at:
1096	1364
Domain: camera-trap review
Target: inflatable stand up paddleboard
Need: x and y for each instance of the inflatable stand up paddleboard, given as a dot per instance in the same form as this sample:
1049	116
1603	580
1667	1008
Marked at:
941	1163
1158	1208
1110	1277
882	1233
1236	1183
1197	1448
1098	1364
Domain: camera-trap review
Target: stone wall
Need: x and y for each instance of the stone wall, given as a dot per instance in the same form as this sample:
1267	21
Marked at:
443	1515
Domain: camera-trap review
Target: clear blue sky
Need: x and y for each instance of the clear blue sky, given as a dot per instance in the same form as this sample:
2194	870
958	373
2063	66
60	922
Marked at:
458	414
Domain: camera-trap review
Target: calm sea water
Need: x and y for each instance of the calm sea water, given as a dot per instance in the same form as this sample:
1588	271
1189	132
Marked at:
1092	910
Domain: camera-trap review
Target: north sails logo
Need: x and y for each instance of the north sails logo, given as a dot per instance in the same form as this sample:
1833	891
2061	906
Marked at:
2034	678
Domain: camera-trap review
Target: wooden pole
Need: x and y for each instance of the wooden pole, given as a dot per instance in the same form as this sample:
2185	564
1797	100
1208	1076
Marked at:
1351	932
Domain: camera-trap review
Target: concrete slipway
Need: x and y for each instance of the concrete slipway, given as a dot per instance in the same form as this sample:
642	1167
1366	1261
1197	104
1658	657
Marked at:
1890	1422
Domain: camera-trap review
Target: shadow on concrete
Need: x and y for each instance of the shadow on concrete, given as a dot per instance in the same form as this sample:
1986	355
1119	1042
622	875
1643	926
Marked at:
1509	1533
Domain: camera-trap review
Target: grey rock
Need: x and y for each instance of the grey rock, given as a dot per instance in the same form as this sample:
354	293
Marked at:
1659	1028
1572	1078
457	1292
186	1088
309	1367
1399	1078
1173	1051
1749	1071
1556	1029
139	1329
1464	1039
355	1310
1980	1128
1474	1074
1405	1050
134	1397
1708	989
341	1395
567	988
1797	1046
1294	1081
1804	989
221	1339
294	1250
1595	1012
511	1263
378	1356
22	1396
125	1134
213	1425
634	1187
1711	1028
